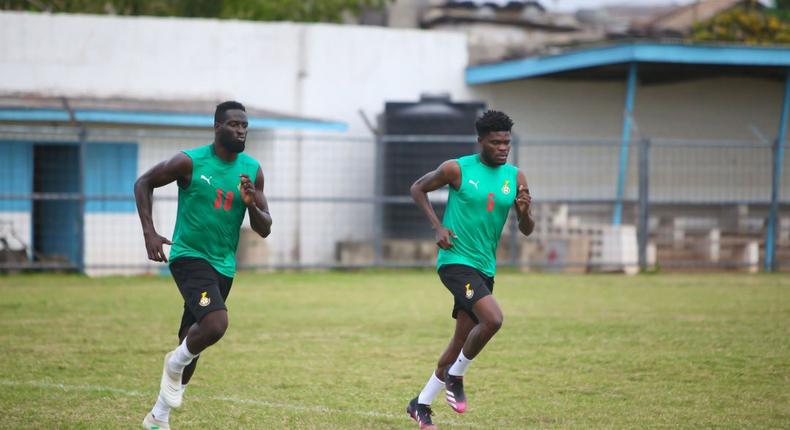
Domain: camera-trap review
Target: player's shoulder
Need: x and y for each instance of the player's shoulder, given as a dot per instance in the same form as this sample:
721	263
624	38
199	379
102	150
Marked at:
248	160
450	167
467	159
199	152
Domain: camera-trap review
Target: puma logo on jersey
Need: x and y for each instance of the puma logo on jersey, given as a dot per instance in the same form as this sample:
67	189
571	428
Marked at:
208	180
474	183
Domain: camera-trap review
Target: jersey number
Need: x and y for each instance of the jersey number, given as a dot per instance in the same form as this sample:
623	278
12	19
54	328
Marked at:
490	206
228	200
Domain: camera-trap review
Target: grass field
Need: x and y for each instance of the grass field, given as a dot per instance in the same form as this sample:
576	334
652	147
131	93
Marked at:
348	350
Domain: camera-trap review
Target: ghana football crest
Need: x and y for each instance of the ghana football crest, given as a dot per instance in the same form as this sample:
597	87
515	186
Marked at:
204	301
469	292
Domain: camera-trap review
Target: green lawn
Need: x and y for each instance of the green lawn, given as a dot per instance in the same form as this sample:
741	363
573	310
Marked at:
348	350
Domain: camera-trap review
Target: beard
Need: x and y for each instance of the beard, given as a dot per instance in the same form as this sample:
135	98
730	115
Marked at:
233	145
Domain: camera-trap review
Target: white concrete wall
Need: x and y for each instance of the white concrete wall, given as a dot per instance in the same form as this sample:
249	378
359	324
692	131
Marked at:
15	228
334	169
318	70
716	108
115	239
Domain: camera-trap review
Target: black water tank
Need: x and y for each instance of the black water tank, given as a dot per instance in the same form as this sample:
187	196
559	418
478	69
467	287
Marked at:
406	159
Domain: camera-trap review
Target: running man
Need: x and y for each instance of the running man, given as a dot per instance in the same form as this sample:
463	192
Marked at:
481	192
214	193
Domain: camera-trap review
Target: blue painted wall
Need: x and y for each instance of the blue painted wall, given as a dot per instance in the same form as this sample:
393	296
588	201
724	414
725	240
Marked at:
16	174
110	169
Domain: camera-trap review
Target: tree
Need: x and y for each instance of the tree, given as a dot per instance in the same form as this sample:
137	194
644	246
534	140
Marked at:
782	10
258	10
748	23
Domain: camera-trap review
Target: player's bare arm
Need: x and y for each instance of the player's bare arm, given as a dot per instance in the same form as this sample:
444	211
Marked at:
257	206
448	173
178	168
526	224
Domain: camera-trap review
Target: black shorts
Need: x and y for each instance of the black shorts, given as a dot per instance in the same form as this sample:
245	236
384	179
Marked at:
467	285
203	288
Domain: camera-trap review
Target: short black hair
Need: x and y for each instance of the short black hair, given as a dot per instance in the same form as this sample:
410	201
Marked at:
223	107
493	120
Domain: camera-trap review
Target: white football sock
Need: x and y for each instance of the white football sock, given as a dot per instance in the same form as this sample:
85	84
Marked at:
161	410
460	365
431	390
181	358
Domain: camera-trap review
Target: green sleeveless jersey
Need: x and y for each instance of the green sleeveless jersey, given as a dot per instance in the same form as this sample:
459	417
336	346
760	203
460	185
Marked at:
210	209
476	212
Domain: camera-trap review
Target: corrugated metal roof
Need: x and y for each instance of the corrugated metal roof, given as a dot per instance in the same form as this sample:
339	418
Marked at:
589	62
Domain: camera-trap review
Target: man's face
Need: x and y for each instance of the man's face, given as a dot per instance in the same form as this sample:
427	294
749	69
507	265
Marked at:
495	147
232	131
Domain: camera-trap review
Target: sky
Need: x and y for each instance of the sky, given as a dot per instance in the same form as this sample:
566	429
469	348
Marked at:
571	5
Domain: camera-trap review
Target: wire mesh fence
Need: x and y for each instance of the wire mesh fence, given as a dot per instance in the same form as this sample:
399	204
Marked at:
341	201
